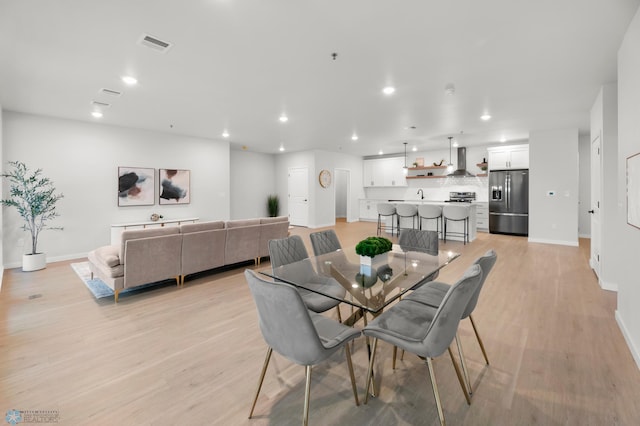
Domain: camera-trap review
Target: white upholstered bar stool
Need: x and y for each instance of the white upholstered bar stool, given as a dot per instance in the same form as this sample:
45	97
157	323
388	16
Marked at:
456	214
407	211
430	212
386	210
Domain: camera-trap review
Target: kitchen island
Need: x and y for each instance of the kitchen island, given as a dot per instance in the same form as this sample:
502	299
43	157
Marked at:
368	212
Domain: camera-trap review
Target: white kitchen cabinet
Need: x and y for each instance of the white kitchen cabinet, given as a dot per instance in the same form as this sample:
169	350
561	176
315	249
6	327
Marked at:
509	157
384	172
369	210
482	217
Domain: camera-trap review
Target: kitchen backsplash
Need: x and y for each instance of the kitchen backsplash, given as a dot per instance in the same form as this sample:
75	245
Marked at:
434	189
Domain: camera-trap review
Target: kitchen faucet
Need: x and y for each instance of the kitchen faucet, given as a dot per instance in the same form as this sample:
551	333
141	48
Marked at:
421	193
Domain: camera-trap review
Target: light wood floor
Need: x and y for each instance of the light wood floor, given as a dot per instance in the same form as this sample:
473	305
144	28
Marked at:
192	355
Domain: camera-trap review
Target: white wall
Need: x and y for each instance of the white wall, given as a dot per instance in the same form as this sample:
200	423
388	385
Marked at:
342	179
628	243
82	159
1	197
253	179
584	186
553	166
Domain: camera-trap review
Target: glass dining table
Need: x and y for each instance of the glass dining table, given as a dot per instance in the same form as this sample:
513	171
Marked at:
368	287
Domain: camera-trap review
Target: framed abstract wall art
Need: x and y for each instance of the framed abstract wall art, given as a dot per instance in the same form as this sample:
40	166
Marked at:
633	190
174	187
136	186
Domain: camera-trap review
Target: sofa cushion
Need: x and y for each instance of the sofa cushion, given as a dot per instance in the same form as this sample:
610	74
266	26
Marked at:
242	222
201	226
135	234
97	259
107	255
276	219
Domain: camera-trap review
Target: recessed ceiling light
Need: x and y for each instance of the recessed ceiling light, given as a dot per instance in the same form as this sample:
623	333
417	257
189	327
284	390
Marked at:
281	148
354	137
96	114
414	149
389	90
225	134
129	80
455	144
485	117
380	152
503	139
283	118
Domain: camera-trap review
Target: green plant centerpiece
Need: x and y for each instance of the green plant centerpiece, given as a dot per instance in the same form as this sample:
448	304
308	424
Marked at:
273	205
35	199
373	246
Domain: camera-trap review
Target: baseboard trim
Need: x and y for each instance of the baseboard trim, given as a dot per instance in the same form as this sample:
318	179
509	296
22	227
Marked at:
556	242
627	337
584	236
52	259
608	286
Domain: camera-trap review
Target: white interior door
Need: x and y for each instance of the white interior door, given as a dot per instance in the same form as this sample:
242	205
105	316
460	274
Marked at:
595	204
299	196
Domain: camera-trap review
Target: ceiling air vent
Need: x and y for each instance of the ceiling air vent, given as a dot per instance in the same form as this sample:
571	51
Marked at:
154	43
100	104
110	92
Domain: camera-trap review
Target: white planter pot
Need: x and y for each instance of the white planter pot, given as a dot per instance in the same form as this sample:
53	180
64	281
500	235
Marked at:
369	264
33	262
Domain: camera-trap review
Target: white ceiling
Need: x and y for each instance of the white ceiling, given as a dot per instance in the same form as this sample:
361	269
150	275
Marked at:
239	64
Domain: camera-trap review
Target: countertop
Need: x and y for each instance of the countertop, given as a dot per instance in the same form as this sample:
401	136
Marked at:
418	201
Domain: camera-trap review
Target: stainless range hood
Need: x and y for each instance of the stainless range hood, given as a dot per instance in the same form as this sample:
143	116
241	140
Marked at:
462	164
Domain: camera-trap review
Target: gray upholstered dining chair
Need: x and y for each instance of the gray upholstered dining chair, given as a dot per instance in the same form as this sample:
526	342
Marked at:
424	330
434	292
324	242
285	251
303	337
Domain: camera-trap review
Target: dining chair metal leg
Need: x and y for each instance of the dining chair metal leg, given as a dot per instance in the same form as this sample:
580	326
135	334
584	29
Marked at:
370	372
475	330
307	391
465	372
436	394
460	379
338	310
264	370
353	377
395	352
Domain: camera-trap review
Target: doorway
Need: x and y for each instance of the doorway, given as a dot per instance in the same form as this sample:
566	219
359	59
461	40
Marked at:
342	194
596	164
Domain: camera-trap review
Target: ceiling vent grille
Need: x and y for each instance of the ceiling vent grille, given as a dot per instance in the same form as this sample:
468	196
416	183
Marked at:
110	92
154	43
100	104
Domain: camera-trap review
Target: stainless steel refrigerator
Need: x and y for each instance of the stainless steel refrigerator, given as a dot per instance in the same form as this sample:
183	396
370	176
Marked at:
509	202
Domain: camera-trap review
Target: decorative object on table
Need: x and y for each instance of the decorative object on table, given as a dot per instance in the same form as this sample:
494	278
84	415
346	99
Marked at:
415	164
35	199
633	190
273	205
174	186
419	162
373	253
156	217
439	164
136	186
324	178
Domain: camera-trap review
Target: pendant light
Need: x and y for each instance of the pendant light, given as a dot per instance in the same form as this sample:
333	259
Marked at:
450	165
405	169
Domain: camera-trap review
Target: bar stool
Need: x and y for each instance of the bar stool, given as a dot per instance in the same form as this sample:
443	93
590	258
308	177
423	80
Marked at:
428	212
456	214
385	210
407	211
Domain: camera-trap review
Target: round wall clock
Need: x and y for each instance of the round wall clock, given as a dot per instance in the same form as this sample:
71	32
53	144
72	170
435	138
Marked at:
325	178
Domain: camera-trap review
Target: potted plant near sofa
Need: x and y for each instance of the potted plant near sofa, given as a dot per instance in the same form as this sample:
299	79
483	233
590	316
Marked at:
273	205
35	199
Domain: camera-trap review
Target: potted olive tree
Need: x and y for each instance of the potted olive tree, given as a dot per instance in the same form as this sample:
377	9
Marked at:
35	199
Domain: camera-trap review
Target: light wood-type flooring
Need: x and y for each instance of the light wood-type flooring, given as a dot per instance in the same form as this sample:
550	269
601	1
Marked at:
192	355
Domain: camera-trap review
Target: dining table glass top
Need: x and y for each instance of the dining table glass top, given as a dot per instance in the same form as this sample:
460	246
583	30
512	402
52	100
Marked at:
370	286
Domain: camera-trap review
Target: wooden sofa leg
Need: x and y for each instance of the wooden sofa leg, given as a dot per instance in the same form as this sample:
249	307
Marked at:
115	296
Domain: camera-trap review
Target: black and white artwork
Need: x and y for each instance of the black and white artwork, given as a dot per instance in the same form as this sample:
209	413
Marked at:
136	186
174	186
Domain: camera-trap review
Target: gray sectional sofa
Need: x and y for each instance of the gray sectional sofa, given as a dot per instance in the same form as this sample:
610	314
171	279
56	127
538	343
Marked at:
156	254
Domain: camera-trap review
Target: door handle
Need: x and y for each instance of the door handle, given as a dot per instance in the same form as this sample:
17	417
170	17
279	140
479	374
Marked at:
591	211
